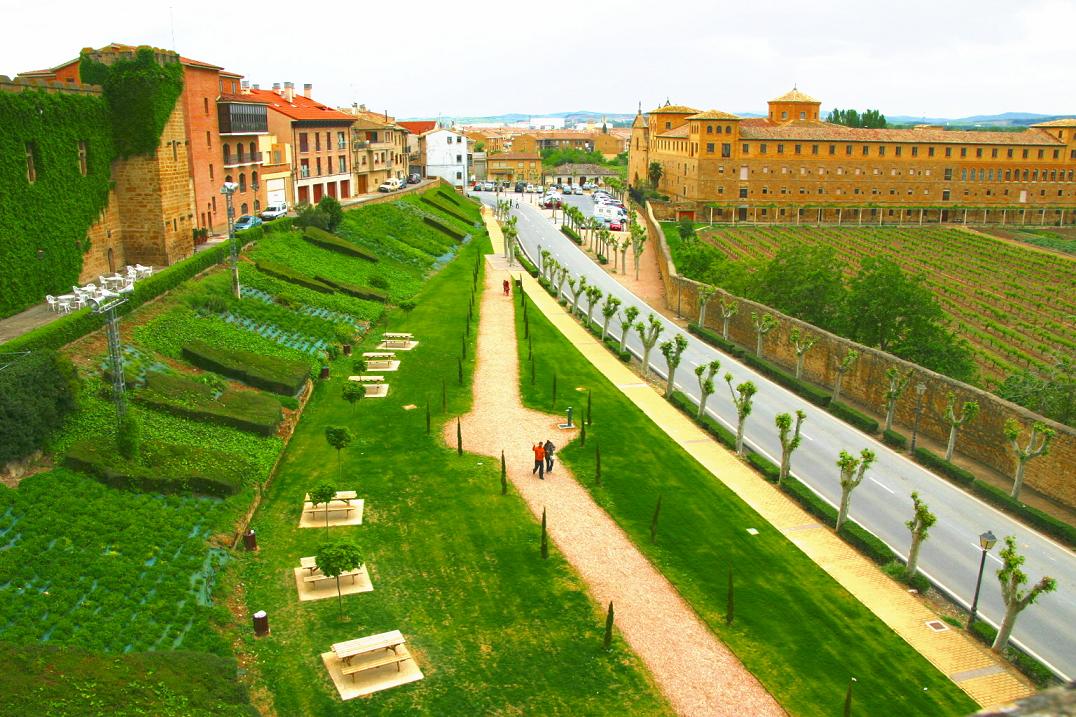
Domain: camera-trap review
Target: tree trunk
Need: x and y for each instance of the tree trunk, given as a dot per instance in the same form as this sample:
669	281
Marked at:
758	344
889	411
786	464
837	387
702	315
702	404
669	384
799	364
952	443
1005	630
623	338
605	328
739	436
913	556
725	328
339	595
1018	480
646	362
842	515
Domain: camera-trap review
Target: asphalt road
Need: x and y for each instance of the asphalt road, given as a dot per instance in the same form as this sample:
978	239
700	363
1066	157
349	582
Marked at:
950	556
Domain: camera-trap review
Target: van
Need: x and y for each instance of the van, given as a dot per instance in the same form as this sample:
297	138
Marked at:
607	212
390	185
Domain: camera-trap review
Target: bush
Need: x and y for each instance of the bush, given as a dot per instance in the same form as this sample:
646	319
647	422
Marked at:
171	469
944	467
1032	516
716	340
528	266
36	392
1039	674
333	211
359	292
286	273
311	216
129	438
182	396
894	439
895	570
379	282
769	470
867	543
458	236
570	233
614	345
325	240
685	404
851	416
271	374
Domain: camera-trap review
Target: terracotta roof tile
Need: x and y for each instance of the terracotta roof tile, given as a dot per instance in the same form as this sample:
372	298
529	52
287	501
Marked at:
1065	122
418	127
300	108
794	95
714	115
674	110
681	131
761	128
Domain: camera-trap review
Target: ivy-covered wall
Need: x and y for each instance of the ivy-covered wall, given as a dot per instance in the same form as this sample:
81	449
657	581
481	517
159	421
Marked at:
54	212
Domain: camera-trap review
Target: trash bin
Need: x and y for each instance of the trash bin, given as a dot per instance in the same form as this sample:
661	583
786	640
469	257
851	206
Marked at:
324	372
347	349
250	541
261	624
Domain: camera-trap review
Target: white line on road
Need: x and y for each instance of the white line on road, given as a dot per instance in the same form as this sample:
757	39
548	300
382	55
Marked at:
992	557
884	486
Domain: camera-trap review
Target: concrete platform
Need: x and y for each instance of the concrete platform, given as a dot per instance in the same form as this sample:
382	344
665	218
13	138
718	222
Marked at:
370	681
396	345
336	518
327	588
381	366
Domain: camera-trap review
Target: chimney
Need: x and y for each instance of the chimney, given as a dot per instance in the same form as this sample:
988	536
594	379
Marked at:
289	91
362	107
308	89
276	88
256	86
245	87
386	115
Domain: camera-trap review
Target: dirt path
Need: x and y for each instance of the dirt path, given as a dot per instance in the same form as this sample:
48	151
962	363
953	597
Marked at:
694	670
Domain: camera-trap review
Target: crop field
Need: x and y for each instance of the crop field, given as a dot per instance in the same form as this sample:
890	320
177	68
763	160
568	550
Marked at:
1015	306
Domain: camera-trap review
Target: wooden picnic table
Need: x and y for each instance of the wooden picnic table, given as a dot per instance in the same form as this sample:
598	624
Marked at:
316	576
333	506
379	355
339	495
392	643
366	379
393	335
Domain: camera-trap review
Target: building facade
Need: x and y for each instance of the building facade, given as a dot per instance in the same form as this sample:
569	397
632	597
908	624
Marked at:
793	166
514	167
378	149
443	153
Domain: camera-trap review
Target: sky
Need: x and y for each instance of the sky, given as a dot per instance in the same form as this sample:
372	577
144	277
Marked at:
944	58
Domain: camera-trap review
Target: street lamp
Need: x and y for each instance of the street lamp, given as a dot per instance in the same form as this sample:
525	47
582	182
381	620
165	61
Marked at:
920	389
986	541
107	305
228	190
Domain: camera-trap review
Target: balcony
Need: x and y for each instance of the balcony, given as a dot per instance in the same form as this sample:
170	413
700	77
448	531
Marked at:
240	118
241	160
360	144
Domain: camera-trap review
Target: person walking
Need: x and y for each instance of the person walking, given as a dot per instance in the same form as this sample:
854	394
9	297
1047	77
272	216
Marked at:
539	460
550	449
507	288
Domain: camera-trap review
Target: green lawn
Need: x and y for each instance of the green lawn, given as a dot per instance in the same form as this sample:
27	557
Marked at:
455	565
795	628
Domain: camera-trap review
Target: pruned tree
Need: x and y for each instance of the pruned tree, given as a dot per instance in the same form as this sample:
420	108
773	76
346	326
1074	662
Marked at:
852	472
705	293
562	275
742	397
339	437
648	334
609	309
844	365
624	244
626	322
335	559
970	411
1040	431
801	344
545	258
790	440
593	295
728	310
322	495
353	392
898	381
577	286
672	351
920	525
705	374
764	324
1013	592
638	242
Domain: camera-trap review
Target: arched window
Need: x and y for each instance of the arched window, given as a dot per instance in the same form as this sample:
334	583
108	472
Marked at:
243	209
228	178
243	184
254	180
253	151
257	205
227	153
239	153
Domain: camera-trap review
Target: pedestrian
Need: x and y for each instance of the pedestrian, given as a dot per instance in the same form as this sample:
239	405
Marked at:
550	449
507	288
539	460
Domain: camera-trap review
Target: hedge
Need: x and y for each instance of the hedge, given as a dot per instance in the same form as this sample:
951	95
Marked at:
613	344
325	240
182	396
527	265
895	440
770	470
1039	674
856	418
716	340
447	210
271	374
1032	516
458	236
723	435
944	467
570	233
176	472
359	292
286	273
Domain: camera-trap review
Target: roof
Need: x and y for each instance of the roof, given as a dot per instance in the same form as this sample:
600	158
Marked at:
762	128
524	156
674	110
418	127
582	169
681	131
794	95
301	108
1065	122
639	121
714	115
249	99
120	47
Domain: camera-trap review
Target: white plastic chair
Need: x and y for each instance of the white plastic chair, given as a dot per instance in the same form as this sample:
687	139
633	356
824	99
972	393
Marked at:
144	270
54	305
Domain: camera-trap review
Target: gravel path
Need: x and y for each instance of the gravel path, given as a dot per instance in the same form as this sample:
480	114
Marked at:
697	673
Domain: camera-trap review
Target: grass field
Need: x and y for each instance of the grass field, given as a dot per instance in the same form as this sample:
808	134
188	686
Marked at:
1014	305
795	628
455	565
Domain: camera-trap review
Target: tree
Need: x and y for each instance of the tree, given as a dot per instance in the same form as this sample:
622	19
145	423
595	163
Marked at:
626	322
334	213
728	310
1031	450
897	383
1016	597
593	294
705	374
609	309
741	397
322	495
970	411
672	351
562	274
686	229
648	334
638	242
919	525
335	559
608	641
801	344
705	293
654	521
339	437
577	287
504	475
764	324
654	173
790	440
544	546
1049	391
353	392
624	244
803	281
844	365
852	471
129	436
459	437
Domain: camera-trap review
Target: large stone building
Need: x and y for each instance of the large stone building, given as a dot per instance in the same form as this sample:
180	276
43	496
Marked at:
793	166
514	167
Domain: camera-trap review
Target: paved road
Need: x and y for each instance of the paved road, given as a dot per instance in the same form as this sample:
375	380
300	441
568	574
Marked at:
882	503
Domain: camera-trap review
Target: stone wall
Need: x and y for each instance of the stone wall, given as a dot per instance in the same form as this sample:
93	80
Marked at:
981	440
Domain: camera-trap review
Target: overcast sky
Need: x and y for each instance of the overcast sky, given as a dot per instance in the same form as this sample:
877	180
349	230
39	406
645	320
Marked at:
943	58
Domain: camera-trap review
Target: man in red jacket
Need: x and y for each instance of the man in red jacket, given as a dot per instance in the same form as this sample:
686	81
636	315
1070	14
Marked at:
539	460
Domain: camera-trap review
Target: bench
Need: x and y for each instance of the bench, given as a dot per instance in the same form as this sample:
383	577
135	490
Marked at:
366	379
383	355
396	343
312	509
398	656
339	495
391	642
317	577
391	335
379	364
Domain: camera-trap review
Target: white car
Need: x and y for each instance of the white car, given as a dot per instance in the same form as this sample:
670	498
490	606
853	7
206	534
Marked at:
274	211
390	185
529	188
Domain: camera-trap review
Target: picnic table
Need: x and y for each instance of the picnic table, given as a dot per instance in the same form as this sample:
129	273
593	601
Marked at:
331	506
366	379
339	495
382	355
384	649
314	575
393	335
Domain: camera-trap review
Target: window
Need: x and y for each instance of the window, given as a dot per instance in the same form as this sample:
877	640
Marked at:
341	141
304	142
762	148
930	151
726	151
208	139
328	141
1057	154
948	151
82	164
710	129
994	153
897	150
784	115
1042	153
317	141
915	151
747	149
798	149
833	149
780	148
254	180
459	158
205	105
743	192
459	175
881	150
341	164
709	147
254	152
31	164
1024	154
318	165
814	149
1008	153
803	115
210	171
948	174
963	175
328	165
668	125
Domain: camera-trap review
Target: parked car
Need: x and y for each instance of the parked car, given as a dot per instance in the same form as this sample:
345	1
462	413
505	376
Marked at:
552	200
390	185
616	225
274	211
247	221
521	187
529	188
414	179
488	186
577	189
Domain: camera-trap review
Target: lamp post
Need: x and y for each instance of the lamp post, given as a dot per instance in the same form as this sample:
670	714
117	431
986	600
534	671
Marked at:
107	305
228	190
986	541
920	389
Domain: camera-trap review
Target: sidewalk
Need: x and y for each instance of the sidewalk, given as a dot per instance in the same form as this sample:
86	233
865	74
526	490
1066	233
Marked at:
987	678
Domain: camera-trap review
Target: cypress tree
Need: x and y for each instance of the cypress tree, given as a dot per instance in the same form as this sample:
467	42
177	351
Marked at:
427	416
459	370
597	464
504	475
554	390
848	699
530	349
526	326
730	606
608	642
588	406
582	433
654	521
545	538
459	438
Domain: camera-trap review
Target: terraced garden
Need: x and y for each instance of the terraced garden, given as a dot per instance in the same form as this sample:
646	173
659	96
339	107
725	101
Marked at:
1015	306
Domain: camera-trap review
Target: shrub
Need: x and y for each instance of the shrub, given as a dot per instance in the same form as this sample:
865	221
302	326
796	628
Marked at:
286	273
325	240
715	339
764	465
182	396
359	292
851	416
815	394
894	439
528	266
867	543
36	392
614	345
129	437
271	374
944	467
1039	673
570	233
333	211
458	236
379	282
311	216
168	468
1032	516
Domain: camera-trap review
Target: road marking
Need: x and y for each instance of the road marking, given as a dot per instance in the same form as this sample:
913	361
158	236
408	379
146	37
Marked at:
992	557
806	436
885	486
